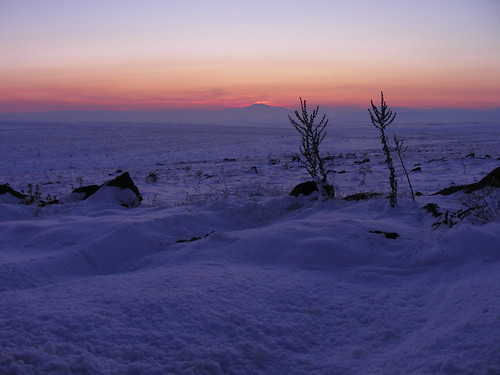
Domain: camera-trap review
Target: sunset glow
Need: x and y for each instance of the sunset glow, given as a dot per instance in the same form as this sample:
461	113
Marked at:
120	55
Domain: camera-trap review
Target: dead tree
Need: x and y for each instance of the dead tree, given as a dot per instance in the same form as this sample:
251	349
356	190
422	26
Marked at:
381	118
311	137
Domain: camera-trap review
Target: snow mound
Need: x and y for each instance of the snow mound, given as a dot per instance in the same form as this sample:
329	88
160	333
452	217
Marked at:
113	195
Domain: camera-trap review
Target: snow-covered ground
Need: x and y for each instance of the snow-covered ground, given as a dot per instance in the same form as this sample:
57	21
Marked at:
220	271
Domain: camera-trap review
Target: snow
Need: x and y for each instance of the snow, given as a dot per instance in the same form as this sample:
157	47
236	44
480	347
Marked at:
220	271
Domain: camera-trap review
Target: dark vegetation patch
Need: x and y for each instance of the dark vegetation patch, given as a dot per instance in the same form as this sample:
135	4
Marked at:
433	208
33	196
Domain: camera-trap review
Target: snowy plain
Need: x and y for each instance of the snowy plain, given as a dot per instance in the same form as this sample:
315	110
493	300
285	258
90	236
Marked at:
220	271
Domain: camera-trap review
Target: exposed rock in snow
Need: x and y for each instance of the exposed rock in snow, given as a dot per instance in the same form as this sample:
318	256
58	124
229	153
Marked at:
389	235
9	195
86	191
491	179
120	189
81	193
124	181
253	170
304	188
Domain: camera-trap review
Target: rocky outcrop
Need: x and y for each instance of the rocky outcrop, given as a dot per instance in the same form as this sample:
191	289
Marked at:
492	179
85	191
9	195
121	190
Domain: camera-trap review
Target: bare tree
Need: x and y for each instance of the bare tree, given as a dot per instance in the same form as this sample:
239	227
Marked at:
312	135
381	118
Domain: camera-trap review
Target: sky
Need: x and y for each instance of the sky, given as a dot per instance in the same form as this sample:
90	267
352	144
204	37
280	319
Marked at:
132	55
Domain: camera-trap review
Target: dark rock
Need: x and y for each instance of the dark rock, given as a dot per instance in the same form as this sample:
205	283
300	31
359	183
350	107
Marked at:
419	194
87	191
6	189
491	179
389	235
417	169
196	238
96	192
253	170
362	161
152	178
304	188
124	181
81	193
450	190
433	160
471	155
361	196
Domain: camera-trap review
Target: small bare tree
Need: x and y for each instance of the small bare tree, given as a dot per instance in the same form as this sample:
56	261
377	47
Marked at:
312	135
381	118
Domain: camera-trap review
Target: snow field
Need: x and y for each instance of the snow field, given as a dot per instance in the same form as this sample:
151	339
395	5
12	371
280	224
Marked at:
227	274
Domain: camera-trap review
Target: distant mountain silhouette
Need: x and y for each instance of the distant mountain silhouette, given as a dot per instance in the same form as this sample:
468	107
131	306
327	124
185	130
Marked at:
256	114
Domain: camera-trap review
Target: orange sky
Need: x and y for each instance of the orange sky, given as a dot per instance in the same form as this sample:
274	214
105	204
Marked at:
66	55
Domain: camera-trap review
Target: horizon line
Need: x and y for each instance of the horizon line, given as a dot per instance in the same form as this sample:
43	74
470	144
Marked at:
218	109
